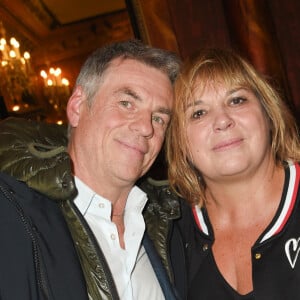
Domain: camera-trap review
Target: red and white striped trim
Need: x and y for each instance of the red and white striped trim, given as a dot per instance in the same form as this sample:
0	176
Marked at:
284	215
198	215
289	203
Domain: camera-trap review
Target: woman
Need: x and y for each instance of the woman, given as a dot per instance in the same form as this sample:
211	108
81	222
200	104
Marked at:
235	160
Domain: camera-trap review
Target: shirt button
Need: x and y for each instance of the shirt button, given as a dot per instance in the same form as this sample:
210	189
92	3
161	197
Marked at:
113	236
205	247
101	205
257	255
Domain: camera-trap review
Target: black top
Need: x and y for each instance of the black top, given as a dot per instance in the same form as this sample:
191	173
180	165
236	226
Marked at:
275	254
216	287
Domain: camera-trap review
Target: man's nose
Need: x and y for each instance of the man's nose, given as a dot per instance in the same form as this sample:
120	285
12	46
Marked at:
143	125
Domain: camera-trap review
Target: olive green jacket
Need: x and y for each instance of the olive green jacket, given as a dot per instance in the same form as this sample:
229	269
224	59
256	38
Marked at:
36	153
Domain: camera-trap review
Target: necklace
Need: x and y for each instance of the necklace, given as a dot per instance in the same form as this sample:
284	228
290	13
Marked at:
118	215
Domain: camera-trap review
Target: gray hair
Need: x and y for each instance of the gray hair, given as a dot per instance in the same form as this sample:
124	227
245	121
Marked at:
93	69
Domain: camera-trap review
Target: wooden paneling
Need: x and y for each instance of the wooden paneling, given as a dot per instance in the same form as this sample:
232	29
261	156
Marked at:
266	32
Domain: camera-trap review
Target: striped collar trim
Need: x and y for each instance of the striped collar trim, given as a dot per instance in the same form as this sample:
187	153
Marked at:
288	205
199	218
284	215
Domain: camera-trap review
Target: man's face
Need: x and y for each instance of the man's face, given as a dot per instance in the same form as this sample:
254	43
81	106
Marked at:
118	138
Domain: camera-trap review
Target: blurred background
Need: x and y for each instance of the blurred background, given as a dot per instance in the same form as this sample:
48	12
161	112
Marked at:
43	43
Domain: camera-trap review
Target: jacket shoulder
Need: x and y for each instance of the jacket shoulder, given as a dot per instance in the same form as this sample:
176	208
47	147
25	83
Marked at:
36	153
160	197
37	248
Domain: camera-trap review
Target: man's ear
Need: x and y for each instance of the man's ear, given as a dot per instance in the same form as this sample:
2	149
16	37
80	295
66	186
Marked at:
74	105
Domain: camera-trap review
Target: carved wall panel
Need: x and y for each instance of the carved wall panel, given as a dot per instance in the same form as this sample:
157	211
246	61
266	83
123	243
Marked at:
266	32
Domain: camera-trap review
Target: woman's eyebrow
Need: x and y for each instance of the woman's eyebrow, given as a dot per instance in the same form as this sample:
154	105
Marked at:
232	91
194	103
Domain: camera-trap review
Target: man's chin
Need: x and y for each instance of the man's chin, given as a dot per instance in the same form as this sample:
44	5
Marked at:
130	174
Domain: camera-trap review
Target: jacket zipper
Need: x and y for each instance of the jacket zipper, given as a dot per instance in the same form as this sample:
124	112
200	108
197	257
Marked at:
36	257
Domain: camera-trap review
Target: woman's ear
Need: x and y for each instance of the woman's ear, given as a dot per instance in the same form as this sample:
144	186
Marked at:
74	105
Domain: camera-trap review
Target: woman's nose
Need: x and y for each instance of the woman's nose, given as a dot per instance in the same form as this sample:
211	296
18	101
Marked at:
223	120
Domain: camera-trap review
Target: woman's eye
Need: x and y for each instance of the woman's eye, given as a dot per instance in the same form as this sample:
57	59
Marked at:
237	100
198	114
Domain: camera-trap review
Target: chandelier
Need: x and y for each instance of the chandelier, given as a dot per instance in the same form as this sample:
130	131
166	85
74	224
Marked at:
24	93
16	74
56	90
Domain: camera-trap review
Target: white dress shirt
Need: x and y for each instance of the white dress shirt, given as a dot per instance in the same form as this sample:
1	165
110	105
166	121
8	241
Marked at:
130	267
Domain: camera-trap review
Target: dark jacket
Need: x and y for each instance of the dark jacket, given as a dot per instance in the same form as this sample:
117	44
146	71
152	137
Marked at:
163	216
32	266
35	153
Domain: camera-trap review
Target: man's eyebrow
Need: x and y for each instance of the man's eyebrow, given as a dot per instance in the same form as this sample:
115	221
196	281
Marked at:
134	95
129	92
164	110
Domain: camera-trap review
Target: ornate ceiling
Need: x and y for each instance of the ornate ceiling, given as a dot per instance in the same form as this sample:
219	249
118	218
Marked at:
55	30
69	11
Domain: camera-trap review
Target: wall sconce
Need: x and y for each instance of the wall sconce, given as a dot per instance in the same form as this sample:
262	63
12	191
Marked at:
56	89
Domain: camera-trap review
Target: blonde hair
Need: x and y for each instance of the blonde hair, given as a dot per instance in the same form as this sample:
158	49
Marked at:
212	65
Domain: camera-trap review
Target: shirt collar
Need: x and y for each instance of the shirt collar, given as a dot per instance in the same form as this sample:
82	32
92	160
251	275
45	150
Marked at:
135	202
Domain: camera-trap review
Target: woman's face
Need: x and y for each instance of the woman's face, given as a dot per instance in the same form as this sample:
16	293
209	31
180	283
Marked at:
228	133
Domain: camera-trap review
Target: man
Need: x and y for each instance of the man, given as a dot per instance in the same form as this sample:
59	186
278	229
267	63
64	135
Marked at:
118	115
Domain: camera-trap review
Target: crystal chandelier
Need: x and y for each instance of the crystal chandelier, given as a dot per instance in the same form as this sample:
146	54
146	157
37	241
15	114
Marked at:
16	73
56	90
22	90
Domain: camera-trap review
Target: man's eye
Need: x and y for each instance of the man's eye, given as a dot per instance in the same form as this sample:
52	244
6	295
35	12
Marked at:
125	103
237	100
158	120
